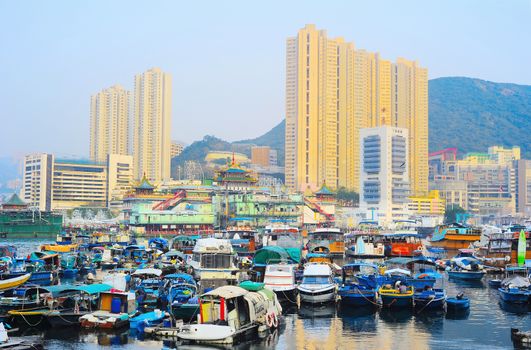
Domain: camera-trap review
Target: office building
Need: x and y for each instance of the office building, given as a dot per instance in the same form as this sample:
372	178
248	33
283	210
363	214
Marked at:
523	186
152	125
109	123
384	179
332	91
50	183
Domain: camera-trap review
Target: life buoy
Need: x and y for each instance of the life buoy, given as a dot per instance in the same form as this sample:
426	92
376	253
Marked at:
424	275
275	320
270	319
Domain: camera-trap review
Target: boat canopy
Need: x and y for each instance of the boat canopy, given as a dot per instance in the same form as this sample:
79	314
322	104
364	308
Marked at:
213	245
516	282
181	276
397	272
148	271
406	261
275	254
64	289
358	265
175	253
227	292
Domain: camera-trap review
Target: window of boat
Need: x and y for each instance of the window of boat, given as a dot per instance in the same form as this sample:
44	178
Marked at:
216	261
196	257
316	280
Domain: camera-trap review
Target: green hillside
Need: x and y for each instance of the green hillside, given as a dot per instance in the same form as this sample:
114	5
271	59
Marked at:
470	114
473	114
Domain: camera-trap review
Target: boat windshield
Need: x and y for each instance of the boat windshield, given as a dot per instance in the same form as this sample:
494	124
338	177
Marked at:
216	261
316	280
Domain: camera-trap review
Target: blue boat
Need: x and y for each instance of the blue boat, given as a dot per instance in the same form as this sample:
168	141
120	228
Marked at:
430	299
516	287
514	295
183	303
466	275
396	293
358	284
148	319
459	302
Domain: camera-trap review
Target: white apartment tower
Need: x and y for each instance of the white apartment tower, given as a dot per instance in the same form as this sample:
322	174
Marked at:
384	180
152	125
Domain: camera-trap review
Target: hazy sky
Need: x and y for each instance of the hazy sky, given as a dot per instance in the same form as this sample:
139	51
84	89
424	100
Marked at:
226	57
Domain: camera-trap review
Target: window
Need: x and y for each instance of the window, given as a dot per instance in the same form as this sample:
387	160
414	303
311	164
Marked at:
222	261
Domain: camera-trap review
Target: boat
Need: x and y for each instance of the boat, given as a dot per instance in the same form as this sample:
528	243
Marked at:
184	244
229	314
280	278
430	298
242	239
282	236
148	319
401	244
465	268
520	338
326	240
455	236
114	311
459	302
23	298
358	285
515	288
8	283
364	246
396	293
317	284
62	306
183	302
213	263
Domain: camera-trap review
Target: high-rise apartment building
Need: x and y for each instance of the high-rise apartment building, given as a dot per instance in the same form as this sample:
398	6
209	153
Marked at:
332	91
152	125
109	123
176	149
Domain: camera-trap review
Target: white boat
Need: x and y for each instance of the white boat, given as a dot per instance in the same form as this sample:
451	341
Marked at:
280	278
282	236
364	246
231	313
317	284
213	262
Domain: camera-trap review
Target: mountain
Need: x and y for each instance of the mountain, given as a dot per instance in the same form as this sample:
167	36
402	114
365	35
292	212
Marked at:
473	114
470	114
10	175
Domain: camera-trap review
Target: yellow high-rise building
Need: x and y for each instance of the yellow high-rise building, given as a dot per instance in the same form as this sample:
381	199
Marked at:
109	126
152	125
332	91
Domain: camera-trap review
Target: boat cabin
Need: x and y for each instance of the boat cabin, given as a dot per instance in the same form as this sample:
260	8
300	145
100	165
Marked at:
326	240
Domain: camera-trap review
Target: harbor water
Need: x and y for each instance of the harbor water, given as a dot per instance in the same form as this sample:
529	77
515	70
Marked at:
485	326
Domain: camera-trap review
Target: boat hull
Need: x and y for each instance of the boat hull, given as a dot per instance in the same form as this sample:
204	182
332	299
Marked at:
287	295
466	275
396	300
317	296
514	296
356	297
64	319
457	304
14	282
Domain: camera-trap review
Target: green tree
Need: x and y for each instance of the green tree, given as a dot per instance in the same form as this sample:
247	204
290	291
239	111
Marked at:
450	214
347	196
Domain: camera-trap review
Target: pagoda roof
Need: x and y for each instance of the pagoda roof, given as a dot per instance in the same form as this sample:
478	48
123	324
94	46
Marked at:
324	190
145	184
15	201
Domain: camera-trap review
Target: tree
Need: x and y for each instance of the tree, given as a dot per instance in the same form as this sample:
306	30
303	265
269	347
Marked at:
345	195
450	214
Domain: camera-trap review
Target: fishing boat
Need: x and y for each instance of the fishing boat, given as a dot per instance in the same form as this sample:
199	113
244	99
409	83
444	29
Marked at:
69	264
23	298
326	240
148	319
280	278
183	303
229	314
455	236
114	311
465	268
396	297
184	244
242	239
401	244
516	286
358	285
147	283
317	284
459	302
213	263
62	306
364	246
7	283
282	236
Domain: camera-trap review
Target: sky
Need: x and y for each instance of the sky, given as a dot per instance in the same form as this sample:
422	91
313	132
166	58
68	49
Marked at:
227	58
